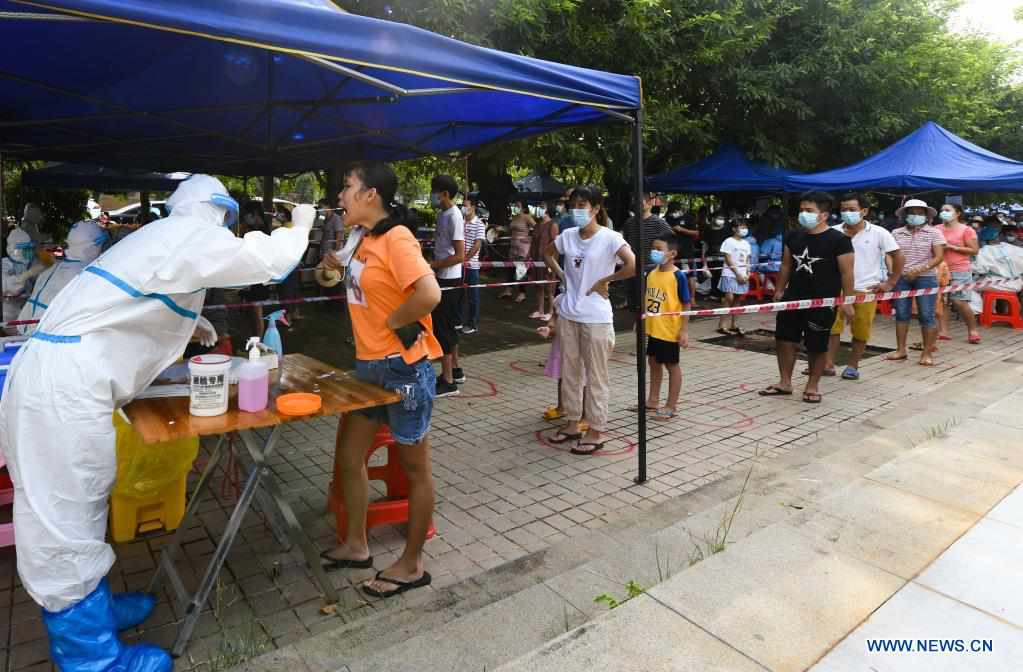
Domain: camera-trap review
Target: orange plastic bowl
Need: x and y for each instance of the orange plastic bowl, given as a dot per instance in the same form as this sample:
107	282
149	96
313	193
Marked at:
299	403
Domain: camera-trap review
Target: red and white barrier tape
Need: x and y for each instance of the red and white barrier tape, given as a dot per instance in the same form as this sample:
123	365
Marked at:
780	306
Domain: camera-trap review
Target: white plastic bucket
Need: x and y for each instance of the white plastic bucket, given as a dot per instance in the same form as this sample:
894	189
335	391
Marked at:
208	383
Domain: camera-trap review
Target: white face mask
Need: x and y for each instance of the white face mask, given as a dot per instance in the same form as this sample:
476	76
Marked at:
580	217
946	215
916	220
743	232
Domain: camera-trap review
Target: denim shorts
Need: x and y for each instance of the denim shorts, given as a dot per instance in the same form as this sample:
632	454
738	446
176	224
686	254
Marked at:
958	278
925	305
408	419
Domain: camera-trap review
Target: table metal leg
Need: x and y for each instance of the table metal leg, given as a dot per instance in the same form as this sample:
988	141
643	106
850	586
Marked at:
170	550
195	605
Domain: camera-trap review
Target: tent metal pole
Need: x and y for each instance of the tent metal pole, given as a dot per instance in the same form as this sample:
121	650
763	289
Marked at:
637	189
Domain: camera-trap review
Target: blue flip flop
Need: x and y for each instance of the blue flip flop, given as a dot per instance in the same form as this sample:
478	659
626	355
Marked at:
850	373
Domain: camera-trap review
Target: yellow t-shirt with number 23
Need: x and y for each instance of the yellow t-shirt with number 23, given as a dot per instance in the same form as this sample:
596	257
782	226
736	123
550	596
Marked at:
666	292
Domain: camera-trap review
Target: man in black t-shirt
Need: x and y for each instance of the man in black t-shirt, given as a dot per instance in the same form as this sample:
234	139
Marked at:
817	263
687	233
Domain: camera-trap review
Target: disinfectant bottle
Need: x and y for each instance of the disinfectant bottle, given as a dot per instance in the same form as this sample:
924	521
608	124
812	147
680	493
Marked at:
253	380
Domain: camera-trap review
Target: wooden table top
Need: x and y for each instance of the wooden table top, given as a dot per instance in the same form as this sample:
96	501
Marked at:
168	419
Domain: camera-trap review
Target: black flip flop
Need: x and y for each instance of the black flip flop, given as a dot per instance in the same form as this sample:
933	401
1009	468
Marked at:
809	397
565	438
330	564
592	448
775	392
402	586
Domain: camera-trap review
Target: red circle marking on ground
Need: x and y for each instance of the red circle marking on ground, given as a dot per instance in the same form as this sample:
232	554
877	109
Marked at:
521	368
630	445
484	395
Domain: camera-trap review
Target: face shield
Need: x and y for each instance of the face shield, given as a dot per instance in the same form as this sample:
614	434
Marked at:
24	252
230	205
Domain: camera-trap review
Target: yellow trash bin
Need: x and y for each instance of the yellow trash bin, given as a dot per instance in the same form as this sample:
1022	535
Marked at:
149	493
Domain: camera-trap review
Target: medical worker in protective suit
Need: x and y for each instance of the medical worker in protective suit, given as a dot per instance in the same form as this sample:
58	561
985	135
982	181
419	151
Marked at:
85	242
118	324
20	267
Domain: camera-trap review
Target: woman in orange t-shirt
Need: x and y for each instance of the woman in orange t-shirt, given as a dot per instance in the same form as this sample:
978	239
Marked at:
391	292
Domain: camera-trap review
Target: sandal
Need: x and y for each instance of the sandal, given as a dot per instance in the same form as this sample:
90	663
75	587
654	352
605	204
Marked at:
536	315
974	339
943	337
723	331
774	391
926	362
920	346
664	414
850	373
811	397
553	413
900	358
827	373
737	332
560	437
589	449
332	564
635	409
402	586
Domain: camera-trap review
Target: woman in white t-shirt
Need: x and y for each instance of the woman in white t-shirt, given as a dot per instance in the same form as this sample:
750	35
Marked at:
735	274
585	320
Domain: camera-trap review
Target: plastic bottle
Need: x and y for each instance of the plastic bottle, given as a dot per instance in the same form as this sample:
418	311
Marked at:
253	380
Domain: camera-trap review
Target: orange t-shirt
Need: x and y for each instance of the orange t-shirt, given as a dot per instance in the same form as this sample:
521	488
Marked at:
380	278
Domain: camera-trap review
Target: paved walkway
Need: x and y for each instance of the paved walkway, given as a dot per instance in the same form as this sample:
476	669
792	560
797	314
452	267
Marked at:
502	491
963	612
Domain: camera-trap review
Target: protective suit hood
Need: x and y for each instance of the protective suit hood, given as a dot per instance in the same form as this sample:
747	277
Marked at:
205	198
20	247
85	241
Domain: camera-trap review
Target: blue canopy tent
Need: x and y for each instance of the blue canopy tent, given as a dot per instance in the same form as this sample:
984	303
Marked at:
929	158
727	169
263	87
100	178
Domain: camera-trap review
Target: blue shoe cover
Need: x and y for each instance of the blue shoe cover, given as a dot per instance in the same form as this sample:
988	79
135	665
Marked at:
131	609
83	638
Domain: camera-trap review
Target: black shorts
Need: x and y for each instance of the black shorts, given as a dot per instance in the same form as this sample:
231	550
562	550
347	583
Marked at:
445	315
812	327
663	352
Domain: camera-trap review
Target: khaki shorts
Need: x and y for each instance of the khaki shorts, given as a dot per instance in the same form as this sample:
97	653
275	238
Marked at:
863	320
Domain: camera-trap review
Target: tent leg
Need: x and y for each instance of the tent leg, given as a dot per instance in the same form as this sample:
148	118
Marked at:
268	193
637	157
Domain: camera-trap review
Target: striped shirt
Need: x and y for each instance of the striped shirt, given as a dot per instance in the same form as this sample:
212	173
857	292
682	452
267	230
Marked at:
474	230
918	247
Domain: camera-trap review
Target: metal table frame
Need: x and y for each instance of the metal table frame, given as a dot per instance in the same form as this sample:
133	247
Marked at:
259	484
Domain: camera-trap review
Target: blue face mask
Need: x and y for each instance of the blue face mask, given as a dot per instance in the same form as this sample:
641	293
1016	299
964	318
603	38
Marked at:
228	204
916	220
435	200
580	217
808	220
946	215
851	218
658	256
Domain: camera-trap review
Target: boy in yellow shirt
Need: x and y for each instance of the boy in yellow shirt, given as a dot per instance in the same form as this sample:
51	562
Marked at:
667	291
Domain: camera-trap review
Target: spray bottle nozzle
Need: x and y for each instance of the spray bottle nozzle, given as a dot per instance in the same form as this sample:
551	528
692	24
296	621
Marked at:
252	345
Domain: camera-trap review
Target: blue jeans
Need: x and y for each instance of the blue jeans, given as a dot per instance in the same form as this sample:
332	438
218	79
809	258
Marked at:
472	296
924	304
408	419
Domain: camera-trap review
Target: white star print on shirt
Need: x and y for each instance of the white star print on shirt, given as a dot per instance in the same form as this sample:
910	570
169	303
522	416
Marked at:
805	262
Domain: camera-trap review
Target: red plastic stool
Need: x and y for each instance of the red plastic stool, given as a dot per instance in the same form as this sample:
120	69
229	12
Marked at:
6	497
757	288
885	307
389	511
773	277
989	316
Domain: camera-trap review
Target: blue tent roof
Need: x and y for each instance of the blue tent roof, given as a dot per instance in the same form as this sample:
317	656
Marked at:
267	86
928	158
727	169
100	178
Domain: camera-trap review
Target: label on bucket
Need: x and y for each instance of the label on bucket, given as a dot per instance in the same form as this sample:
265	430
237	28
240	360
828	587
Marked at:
208	378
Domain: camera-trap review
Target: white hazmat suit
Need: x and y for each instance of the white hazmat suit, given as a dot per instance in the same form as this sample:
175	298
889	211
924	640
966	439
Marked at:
117	325
19	268
84	243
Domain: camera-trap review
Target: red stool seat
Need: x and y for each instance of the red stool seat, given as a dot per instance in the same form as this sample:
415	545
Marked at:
389	511
885	307
756	287
989	314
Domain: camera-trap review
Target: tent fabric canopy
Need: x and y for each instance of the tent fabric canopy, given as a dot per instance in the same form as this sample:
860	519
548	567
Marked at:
727	169
537	187
929	158
99	178
268	87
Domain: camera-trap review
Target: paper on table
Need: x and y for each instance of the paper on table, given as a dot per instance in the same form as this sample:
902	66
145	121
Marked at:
162	391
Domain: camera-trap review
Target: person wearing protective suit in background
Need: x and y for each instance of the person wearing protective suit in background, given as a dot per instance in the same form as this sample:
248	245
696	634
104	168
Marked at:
19	270
118	324
85	242
32	218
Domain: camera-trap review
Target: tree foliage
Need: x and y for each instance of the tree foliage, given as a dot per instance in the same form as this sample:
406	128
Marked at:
811	84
